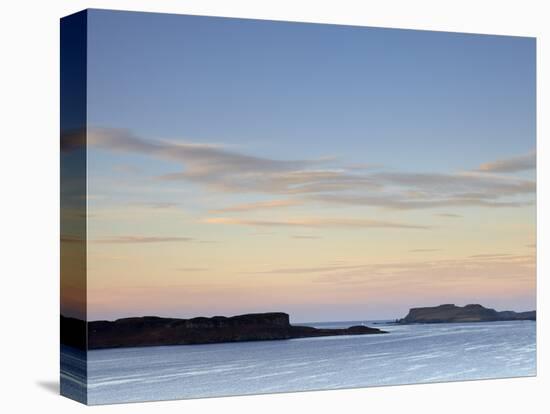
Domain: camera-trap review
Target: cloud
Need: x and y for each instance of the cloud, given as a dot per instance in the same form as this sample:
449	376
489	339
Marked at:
142	239
121	140
513	164
518	269
340	268
490	255
220	169
424	250
223	169
305	237
192	269
161	205
398	202
464	185
365	166
449	215
127	169
259	206
289	182
306	270
407	191
314	223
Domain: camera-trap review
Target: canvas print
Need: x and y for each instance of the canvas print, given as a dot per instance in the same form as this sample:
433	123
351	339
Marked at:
252	206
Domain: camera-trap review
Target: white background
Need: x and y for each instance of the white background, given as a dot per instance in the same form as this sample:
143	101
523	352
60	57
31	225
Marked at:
29	188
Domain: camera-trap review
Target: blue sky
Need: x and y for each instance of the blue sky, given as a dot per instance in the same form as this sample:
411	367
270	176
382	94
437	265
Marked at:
399	97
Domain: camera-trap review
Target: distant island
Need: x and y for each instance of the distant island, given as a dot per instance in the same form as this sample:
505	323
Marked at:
470	313
157	331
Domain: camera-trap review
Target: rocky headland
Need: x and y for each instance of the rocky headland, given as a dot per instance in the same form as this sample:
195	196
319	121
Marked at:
157	331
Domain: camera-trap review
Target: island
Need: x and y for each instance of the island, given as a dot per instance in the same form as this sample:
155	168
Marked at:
450	313
158	331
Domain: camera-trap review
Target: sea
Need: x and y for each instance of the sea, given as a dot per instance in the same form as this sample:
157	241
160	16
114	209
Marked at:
408	354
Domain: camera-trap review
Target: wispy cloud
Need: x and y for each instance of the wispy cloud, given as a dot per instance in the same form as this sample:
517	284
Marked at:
513	164
129	169
407	191
259	206
475	267
490	255
461	185
211	164
365	166
424	250
313	269
305	237
318	180
142	239
449	215
192	269
516	270
314	222
161	205
401	202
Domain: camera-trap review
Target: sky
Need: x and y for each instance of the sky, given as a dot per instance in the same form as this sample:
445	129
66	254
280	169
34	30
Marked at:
331	172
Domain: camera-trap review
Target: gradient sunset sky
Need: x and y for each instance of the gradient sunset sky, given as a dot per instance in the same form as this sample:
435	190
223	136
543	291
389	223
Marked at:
331	172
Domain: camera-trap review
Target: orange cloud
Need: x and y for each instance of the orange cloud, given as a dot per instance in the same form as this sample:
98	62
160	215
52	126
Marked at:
315	222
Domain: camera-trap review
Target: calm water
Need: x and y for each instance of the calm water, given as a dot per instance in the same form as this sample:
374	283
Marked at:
408	354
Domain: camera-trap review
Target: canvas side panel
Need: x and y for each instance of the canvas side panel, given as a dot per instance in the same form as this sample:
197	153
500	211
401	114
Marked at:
73	42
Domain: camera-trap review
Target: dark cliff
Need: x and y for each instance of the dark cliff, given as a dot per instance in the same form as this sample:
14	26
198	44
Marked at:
468	313
156	331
